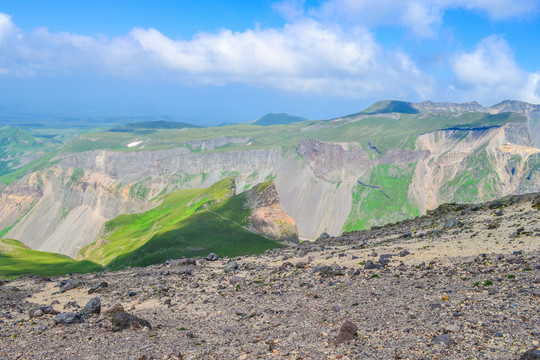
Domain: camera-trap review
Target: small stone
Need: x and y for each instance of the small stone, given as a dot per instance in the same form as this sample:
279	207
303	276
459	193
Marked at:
533	354
132	293
443	339
37	313
66	285
93	306
123	320
72	304
111	310
182	262
347	332
450	223
452	328
404	253
371	265
211	257
285	265
49	310
95	288
236	280
385	259
319	268
230	266
68	318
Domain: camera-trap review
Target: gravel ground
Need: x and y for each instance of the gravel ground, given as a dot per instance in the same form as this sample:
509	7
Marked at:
462	283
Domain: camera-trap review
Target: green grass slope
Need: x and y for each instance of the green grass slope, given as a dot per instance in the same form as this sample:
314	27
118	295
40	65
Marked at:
189	222
382	198
17	144
17	259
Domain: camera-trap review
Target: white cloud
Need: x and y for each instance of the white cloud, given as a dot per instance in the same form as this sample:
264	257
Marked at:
290	9
490	64
6	27
315	52
500	9
422	17
531	91
302	56
491	72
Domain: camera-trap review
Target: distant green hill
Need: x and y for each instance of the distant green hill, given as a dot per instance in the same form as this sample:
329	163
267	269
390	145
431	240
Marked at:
146	126
279	119
17	259
191	222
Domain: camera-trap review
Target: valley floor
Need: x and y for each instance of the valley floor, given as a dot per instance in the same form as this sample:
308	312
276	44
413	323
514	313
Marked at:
463	283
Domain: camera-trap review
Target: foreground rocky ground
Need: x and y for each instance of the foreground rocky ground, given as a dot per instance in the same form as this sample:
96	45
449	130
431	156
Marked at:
460	283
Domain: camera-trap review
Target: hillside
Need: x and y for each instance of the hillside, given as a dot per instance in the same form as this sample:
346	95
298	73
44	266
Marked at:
17	259
191	222
460	282
385	164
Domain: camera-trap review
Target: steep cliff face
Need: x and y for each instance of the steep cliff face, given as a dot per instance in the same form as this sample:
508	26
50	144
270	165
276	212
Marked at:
134	166
63	212
268	217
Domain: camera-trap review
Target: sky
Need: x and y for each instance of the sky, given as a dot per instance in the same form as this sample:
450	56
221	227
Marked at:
208	62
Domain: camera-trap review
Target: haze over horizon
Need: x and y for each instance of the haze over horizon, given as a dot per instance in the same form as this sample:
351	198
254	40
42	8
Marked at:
208	62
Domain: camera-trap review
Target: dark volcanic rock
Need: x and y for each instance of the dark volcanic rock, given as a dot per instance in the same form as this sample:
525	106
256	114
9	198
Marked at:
122	320
66	285
211	257
68	318
95	288
347	332
533	354
443	339
182	262
49	310
372	265
92	307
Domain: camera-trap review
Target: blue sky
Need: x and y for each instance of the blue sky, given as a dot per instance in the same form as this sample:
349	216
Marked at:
213	61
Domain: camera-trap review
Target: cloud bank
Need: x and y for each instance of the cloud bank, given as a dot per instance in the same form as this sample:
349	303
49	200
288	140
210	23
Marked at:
330	50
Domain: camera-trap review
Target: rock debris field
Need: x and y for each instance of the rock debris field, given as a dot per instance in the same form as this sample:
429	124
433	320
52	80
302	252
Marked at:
462	282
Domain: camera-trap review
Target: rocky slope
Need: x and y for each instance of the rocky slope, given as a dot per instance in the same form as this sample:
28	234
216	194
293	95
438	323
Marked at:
461	282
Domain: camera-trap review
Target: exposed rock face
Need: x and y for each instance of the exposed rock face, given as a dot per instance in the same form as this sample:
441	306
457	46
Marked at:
212	144
133	166
449	151
269	218
331	162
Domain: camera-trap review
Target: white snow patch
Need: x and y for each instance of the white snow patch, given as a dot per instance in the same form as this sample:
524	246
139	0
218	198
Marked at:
134	143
